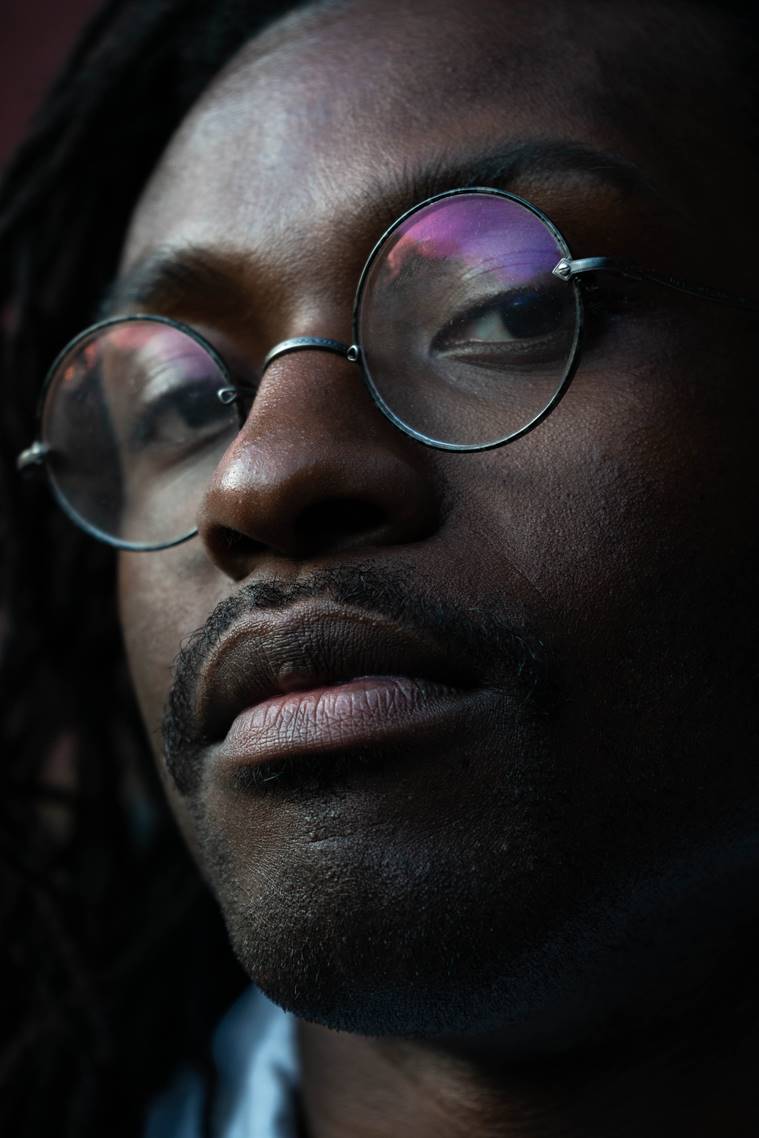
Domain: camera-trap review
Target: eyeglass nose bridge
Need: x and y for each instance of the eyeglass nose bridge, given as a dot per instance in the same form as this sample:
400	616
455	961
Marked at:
349	352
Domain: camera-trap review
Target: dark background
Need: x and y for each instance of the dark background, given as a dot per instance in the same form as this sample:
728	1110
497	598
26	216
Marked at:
35	37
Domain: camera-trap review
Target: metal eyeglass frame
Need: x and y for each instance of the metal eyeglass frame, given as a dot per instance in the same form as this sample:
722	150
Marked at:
567	269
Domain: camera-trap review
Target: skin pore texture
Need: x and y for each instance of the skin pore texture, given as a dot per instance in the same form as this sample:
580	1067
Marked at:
531	911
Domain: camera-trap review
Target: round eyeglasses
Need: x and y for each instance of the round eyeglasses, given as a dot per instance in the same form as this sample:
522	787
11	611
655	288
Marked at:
467	324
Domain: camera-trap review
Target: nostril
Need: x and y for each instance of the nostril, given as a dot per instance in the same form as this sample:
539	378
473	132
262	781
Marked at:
232	541
336	522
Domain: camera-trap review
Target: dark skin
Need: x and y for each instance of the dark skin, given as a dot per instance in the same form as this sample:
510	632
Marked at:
538	917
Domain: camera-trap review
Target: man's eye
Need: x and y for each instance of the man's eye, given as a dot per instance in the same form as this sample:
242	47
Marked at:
520	316
186	412
527	317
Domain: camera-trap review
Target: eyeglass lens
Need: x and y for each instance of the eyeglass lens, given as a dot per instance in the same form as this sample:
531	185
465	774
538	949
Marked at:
466	335
466	338
135	430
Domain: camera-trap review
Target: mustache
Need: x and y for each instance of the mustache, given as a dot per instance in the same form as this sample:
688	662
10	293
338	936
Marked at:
494	633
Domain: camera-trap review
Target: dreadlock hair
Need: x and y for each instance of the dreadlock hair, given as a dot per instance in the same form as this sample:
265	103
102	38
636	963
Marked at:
114	960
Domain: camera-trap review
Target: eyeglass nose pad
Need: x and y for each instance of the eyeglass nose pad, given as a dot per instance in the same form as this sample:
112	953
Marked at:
317	343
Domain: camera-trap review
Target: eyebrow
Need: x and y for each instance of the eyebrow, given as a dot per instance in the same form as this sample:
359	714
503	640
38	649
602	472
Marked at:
525	161
173	279
170	278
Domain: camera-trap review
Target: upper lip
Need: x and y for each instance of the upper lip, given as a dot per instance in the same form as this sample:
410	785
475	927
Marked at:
306	646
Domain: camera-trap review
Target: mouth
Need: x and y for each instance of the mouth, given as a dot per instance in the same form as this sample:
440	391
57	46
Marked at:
321	678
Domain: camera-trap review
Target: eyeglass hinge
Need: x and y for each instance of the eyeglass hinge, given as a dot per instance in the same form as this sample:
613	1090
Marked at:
563	270
353	353
34	455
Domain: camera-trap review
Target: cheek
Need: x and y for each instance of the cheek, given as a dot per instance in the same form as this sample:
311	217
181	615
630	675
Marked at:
163	597
624	501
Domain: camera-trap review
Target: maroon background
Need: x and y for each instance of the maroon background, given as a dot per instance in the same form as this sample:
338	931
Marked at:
35	36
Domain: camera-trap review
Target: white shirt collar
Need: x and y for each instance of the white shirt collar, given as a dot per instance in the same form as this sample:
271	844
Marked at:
255	1054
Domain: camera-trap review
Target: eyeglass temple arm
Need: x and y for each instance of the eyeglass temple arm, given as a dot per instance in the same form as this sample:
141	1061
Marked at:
567	269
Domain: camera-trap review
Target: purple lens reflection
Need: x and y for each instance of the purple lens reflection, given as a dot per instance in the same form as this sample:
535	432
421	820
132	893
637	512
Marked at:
466	335
473	229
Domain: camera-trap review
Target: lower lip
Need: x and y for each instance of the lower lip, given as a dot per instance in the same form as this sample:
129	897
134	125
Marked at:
371	709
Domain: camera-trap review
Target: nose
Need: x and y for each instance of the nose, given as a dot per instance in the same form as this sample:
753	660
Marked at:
316	470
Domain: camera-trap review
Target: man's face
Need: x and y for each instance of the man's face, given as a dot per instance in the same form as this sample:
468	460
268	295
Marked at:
499	771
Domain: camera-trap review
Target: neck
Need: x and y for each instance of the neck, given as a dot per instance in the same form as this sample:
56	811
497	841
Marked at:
699	1081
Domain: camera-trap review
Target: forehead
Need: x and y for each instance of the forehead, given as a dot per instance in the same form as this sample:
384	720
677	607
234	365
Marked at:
330	113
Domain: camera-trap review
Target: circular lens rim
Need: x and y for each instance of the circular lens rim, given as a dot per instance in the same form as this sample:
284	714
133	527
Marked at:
52	373
574	354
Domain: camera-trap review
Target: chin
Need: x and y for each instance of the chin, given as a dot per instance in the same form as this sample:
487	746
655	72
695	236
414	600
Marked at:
361	942
369	906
